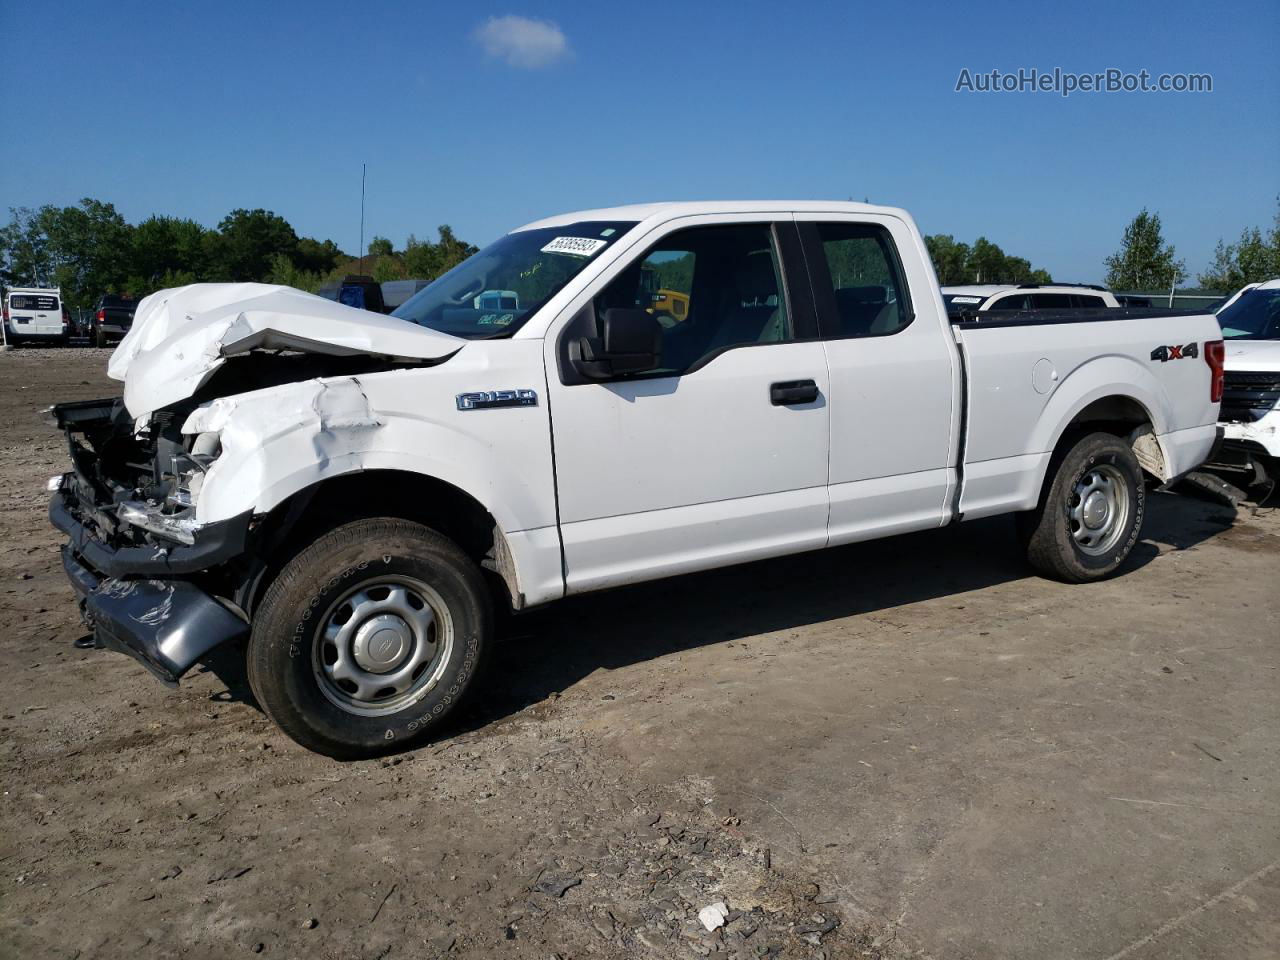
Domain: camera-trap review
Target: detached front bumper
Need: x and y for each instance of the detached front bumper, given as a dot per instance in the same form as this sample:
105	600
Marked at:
134	605
166	625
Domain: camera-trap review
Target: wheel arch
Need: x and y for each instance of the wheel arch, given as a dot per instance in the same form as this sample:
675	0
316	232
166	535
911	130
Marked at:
301	517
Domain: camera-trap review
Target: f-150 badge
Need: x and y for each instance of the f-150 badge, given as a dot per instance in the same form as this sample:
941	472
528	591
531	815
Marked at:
1185	352
489	399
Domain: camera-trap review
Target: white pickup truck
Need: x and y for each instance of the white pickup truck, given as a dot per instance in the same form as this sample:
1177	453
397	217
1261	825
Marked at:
681	386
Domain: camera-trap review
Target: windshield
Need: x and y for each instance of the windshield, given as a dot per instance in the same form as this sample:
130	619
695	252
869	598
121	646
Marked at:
1255	316
492	293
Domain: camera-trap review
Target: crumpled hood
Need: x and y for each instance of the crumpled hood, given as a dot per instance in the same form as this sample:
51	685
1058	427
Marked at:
1257	356
182	335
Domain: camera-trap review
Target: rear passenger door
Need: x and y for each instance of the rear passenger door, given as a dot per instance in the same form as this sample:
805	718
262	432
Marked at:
718	456
894	382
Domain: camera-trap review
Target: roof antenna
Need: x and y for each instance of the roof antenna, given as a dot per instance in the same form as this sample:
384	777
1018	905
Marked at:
363	167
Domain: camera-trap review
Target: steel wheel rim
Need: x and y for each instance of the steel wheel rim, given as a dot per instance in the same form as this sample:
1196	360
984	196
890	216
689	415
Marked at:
1099	509
382	646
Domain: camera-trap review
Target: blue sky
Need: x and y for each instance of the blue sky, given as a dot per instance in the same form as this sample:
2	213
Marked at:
194	109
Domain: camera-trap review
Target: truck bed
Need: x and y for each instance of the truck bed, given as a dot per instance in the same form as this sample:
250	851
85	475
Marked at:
1029	372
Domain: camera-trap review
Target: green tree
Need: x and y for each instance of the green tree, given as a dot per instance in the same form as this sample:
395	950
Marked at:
425	260
25	259
950	258
247	243
380	247
1144	261
285	270
315	256
89	248
166	246
388	267
1252	259
959	263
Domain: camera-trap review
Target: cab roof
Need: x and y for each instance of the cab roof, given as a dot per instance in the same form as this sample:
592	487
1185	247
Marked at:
669	210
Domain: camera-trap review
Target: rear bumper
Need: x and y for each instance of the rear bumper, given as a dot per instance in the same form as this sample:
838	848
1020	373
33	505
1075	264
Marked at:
1184	450
166	625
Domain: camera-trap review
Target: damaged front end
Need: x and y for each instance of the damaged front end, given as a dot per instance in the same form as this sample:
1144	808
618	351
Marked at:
127	508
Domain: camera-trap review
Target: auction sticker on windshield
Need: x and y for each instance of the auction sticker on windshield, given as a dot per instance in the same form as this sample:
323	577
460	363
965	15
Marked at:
576	246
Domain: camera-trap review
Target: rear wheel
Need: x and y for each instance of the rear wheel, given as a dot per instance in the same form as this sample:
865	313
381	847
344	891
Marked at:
1090	513
99	338
369	638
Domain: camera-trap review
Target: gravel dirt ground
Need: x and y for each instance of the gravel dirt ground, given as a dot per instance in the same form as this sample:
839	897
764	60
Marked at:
905	748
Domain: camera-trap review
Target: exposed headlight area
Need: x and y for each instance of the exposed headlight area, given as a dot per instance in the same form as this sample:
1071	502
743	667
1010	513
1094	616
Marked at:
173	517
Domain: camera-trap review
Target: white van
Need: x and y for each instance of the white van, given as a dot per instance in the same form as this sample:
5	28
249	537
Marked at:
34	315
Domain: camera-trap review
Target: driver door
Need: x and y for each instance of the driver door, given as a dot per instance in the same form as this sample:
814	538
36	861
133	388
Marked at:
720	454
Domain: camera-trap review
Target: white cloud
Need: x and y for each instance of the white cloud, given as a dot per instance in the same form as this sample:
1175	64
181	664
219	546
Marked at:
522	42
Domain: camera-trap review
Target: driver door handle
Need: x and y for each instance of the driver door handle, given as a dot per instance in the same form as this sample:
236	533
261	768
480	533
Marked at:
790	393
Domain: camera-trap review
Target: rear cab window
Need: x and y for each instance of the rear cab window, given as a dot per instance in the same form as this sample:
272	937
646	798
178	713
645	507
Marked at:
864	292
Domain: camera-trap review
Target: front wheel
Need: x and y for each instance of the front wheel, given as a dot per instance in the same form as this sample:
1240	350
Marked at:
369	638
1090	514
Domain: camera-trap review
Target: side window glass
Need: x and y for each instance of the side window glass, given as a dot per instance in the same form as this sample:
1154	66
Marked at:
1087	302
1017	301
866	278
710	288
1051	301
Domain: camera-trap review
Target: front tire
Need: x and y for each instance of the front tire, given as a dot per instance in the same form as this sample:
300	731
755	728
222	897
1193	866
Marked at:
1090	513
369	638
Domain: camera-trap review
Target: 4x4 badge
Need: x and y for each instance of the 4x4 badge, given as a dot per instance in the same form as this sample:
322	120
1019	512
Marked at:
1186	352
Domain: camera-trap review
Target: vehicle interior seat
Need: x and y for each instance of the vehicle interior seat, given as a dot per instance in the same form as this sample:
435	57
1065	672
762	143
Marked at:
751	311
862	309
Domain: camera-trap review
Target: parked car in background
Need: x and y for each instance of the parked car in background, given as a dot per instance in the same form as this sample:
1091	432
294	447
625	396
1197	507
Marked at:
1134	300
1250	323
980	298
356	290
35	315
354	493
112	319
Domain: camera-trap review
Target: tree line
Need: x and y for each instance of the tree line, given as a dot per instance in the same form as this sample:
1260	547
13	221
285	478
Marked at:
1146	262
958	263
89	249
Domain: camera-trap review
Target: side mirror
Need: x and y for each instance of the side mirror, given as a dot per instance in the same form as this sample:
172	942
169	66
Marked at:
631	342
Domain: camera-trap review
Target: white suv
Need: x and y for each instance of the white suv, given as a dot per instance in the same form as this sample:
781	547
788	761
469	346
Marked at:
1250	323
1026	296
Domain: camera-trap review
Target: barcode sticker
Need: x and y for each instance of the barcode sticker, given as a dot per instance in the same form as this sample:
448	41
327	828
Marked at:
575	246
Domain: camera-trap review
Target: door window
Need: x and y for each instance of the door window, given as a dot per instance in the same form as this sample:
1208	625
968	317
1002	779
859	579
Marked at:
1087	302
866	279
710	288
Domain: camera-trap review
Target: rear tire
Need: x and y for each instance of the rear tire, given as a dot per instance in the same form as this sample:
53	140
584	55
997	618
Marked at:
369	638
99	338
1090	512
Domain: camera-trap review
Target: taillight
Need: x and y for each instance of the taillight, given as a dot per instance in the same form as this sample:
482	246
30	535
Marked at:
1215	354
101	316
